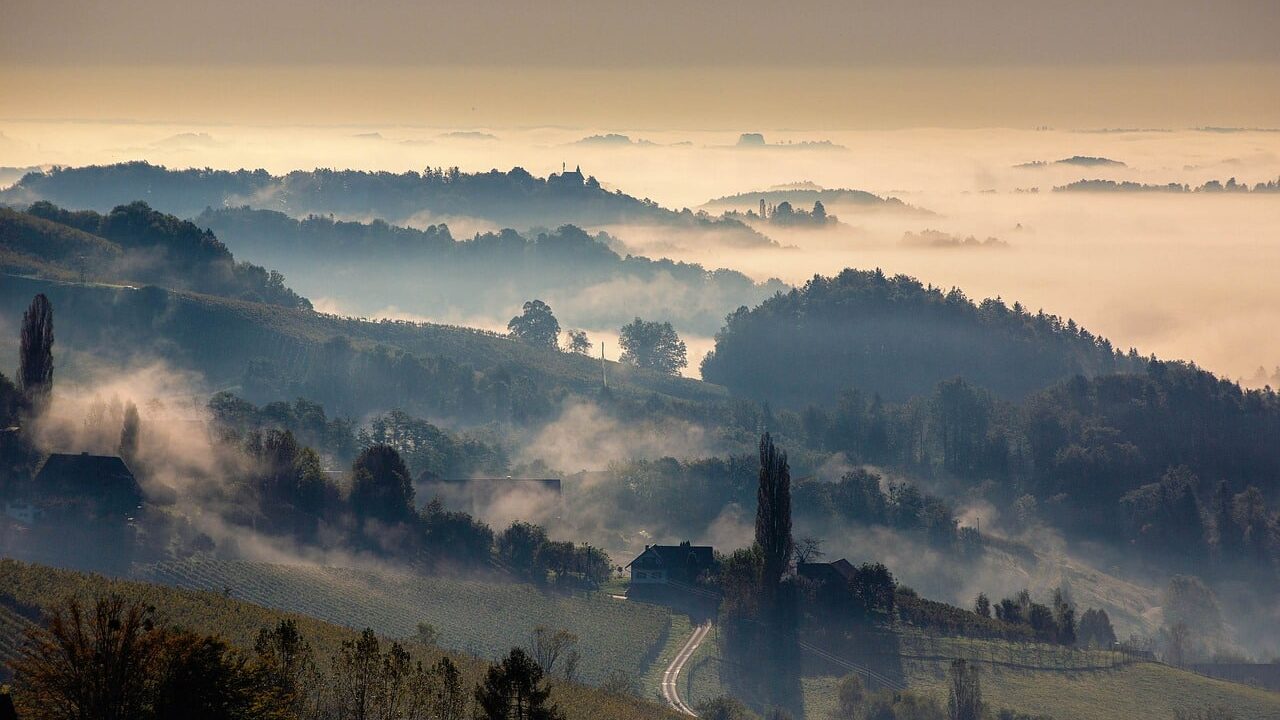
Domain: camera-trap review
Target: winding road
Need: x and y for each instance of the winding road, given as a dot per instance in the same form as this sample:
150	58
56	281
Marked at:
671	676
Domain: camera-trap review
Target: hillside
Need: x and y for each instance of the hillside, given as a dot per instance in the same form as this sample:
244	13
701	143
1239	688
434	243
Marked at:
33	586
132	244
895	337
508	199
584	277
349	366
805	196
481	618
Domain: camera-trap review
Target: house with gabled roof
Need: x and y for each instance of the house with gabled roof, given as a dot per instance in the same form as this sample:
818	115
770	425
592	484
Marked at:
668	564
99	485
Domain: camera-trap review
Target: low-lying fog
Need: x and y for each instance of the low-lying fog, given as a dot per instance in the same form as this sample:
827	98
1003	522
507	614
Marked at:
1182	275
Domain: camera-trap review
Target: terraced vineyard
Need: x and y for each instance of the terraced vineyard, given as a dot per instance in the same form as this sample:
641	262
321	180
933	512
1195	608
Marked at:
26	588
480	618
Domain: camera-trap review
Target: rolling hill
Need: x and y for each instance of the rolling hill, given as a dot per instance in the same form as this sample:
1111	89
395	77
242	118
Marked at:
29	588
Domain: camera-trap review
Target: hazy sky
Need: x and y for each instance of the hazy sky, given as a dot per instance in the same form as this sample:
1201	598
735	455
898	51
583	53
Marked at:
662	63
654	33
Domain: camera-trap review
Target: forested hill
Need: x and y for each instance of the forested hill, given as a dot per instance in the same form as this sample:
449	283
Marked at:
895	337
513	199
132	244
352	367
489	275
806	196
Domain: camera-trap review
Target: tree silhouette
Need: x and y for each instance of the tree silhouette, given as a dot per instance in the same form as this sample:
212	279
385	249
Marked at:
579	342
129	432
773	515
513	690
964	701
653	345
536	326
35	370
381	487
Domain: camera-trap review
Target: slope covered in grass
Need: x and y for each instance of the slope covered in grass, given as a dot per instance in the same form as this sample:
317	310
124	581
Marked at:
238	622
482	618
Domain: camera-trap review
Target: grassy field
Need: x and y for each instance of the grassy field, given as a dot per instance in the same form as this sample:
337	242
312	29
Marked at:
1134	691
480	618
238	622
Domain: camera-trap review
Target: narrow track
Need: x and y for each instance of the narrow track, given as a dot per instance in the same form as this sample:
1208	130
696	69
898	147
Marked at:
671	676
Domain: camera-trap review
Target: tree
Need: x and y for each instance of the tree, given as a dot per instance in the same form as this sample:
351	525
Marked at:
537	326
819	213
555	650
808	549
579	343
850	694
513	690
35	359
447	701
1064	616
381	487
96	664
773	515
285	667
518	547
130	430
1095	629
982	605
653	345
201	678
964	700
356	675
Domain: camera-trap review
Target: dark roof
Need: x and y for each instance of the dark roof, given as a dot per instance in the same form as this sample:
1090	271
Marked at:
95	477
839	571
678	556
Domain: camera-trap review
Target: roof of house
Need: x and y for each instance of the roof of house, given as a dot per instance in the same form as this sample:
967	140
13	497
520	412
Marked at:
677	555
839	571
96	477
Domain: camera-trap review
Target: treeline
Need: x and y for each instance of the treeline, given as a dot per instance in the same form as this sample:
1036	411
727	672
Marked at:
897	337
429	451
117	659
514	198
1173	462
486	274
1212	186
133	243
685	497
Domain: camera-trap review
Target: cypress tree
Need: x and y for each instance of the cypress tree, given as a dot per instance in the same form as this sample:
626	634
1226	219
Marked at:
35	370
773	515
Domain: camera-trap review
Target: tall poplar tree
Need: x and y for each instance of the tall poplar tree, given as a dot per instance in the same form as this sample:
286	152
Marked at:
35	369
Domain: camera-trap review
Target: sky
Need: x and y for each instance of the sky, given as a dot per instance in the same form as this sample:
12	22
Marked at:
811	63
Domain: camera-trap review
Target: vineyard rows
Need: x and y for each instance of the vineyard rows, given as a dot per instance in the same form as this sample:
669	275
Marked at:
481	618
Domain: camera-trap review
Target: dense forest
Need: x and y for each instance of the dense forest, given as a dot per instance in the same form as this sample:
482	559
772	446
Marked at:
511	199
133	244
898	338
587	277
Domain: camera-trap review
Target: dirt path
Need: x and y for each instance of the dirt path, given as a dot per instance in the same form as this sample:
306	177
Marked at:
671	676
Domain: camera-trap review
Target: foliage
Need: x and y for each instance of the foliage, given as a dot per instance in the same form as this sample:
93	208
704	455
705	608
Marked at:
898	338
312	644
35	357
653	345
773	516
964	700
513	690
134	243
536	325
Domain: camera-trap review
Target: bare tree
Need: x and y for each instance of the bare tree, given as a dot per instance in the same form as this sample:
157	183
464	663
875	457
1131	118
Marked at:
95	664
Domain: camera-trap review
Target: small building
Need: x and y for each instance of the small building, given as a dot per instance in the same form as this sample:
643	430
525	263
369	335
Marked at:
98	485
665	564
838	573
